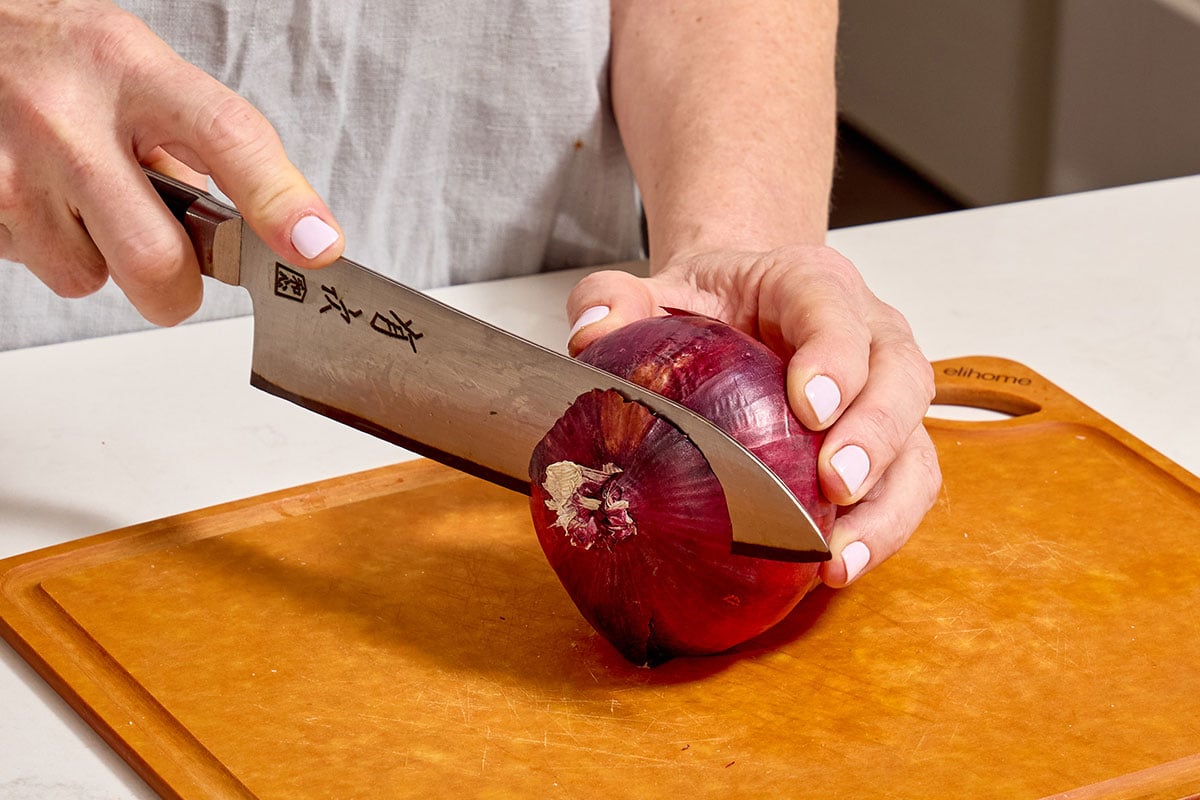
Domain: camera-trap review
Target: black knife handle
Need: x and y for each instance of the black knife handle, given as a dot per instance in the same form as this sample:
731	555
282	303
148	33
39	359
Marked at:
213	227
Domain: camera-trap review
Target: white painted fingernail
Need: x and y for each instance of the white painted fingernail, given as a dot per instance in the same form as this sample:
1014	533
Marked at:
593	314
855	556
852	464
824	397
312	236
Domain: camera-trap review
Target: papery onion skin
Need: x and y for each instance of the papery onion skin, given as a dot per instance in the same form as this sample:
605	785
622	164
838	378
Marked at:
632	519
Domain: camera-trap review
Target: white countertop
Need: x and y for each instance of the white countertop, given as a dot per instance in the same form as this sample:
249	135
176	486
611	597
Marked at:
1100	292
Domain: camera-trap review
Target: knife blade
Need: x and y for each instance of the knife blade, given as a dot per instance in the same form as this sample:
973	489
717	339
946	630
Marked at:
367	351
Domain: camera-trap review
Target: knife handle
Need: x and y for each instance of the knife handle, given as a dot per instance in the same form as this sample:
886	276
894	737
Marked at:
214	228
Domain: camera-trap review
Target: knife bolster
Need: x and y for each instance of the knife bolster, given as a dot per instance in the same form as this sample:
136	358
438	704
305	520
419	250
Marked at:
216	234
214	228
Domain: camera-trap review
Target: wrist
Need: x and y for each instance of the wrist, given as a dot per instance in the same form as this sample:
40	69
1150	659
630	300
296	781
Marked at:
685	232
730	244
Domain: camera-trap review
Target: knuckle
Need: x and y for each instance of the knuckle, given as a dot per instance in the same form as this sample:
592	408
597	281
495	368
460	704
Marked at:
63	258
811	269
9	186
151	269
885	528
927	458
916	371
920	373
78	280
247	158
68	274
79	169
234	129
881	426
846	278
891	322
895	530
589	290
147	258
115	36
834	282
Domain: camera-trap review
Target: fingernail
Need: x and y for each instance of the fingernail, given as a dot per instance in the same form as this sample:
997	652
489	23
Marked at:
312	236
593	314
855	556
823	397
852	464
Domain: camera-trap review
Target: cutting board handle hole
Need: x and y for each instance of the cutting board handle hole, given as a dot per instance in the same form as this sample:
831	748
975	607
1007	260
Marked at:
979	405
957	413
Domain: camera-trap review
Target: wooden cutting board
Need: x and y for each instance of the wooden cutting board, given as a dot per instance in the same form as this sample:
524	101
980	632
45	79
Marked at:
398	633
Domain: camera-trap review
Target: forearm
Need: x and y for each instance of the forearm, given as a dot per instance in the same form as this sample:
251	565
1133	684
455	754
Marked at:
727	111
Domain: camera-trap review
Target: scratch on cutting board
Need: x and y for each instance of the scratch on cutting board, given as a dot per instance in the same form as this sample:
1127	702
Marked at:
1053	641
920	743
954	733
636	758
934	731
1033	555
965	635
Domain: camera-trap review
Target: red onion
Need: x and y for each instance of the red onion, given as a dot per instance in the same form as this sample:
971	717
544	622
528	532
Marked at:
632	519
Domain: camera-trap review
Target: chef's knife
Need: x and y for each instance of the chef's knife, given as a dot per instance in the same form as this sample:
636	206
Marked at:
362	349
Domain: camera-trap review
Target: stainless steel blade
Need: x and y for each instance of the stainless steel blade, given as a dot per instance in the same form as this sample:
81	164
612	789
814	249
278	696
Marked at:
358	347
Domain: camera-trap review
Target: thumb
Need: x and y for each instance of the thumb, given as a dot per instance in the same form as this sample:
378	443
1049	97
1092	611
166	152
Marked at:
603	302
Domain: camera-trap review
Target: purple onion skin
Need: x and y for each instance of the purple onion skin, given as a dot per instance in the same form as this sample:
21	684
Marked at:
632	519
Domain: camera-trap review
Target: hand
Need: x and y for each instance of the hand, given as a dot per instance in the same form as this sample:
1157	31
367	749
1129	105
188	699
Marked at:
88	94
853	369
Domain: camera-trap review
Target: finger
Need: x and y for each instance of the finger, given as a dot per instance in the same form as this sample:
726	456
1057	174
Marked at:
820	316
148	255
50	241
830	366
603	302
872	431
220	132
876	528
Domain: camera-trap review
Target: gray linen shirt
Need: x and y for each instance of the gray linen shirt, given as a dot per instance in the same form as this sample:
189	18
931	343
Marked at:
455	141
